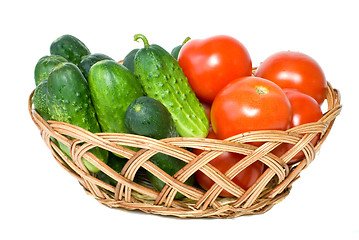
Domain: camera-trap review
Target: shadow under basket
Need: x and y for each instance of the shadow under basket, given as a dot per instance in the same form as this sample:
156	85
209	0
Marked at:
272	187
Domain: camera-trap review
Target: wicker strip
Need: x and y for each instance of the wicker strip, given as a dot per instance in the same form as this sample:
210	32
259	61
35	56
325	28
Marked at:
272	187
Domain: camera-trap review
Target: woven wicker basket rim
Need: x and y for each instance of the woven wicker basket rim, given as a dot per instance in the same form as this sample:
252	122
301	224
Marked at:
272	187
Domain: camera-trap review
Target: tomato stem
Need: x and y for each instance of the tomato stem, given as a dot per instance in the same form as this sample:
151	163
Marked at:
261	90
144	39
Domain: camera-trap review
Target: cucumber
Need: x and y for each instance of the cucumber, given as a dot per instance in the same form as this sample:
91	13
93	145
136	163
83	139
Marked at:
163	79
113	87
70	48
170	165
40	100
68	99
128	61
148	117
87	62
175	51
116	164
45	65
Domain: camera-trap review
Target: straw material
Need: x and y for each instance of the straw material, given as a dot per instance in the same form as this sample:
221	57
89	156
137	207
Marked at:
272	187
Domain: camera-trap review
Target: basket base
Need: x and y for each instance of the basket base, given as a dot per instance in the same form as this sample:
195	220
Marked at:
142	204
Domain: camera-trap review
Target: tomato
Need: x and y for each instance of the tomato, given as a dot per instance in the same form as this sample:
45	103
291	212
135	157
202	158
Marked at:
305	110
297	71
207	109
224	162
211	63
249	104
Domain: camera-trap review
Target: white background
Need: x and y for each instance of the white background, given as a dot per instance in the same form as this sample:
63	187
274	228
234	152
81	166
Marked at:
39	200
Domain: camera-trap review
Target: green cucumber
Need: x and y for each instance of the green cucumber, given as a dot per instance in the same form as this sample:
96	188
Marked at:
87	62
70	48
69	101
113	87
148	117
45	65
40	100
163	79
170	165
175	51
128	61
116	164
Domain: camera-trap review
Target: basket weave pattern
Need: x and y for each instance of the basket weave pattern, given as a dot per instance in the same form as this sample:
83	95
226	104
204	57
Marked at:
272	187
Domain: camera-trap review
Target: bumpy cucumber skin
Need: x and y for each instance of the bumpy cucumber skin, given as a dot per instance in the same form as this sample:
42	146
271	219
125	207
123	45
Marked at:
69	101
87	62
163	79
70	48
45	65
149	117
40	100
128	61
113	87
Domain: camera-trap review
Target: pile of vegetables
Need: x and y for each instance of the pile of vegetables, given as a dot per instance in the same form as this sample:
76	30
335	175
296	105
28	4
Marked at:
203	88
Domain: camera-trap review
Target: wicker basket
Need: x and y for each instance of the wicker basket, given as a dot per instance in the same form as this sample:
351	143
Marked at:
272	187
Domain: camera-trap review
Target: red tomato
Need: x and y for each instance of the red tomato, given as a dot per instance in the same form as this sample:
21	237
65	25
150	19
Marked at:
210	64
297	71
249	104
305	110
207	108
225	161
